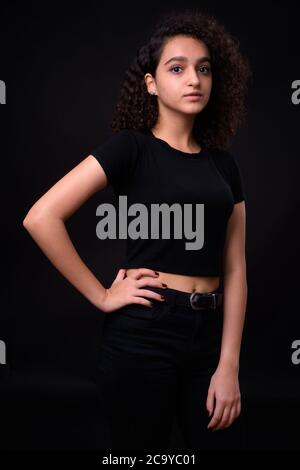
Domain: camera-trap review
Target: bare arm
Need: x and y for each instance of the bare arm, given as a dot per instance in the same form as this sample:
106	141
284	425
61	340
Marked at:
45	223
224	396
235	287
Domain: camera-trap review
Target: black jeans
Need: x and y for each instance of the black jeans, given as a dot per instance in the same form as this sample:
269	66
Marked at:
155	365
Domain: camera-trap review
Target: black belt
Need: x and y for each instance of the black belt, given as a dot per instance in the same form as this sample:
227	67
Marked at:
203	300
195	300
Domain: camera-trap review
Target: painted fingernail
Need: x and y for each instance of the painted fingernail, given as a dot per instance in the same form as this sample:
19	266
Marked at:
165	285
163	297
157	274
151	304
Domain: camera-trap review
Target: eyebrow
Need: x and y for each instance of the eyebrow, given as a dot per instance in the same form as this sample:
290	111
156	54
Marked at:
182	58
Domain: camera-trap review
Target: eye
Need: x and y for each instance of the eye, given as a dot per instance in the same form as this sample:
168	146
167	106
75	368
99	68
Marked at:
175	67
205	67
201	67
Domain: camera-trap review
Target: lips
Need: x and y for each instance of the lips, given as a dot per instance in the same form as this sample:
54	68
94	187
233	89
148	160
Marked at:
194	94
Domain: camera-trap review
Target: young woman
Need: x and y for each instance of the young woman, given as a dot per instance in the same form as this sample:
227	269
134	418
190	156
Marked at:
175	311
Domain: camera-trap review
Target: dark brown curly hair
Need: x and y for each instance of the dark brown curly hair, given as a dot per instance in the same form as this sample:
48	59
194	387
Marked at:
225	111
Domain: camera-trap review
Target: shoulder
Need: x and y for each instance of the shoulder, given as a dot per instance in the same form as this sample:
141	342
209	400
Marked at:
126	135
133	138
127	141
230	168
226	160
223	156
118	156
118	143
140	136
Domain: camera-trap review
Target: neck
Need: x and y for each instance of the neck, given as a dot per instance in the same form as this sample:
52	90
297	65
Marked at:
176	130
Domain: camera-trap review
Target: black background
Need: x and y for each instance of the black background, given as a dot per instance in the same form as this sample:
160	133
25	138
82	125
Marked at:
62	65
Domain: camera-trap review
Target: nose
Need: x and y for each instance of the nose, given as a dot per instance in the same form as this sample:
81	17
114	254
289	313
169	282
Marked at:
194	77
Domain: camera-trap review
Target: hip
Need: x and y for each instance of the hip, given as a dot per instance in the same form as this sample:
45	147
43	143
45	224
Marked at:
185	283
170	330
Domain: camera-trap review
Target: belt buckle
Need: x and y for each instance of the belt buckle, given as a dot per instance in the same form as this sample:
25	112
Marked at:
199	307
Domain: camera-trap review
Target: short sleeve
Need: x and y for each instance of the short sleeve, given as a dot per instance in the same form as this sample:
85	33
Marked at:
118	156
237	182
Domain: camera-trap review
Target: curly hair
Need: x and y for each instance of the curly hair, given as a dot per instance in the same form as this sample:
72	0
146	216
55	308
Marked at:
225	111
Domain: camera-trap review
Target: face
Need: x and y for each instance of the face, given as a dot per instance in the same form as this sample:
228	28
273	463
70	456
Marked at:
175	78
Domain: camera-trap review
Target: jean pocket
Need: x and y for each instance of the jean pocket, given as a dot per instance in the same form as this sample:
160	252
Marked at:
160	310
138	311
143	312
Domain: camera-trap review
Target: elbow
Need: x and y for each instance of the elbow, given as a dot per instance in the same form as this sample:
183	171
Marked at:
31	219
235	263
238	269
36	217
27	222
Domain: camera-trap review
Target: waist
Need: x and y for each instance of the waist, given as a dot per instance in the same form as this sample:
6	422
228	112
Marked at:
186	283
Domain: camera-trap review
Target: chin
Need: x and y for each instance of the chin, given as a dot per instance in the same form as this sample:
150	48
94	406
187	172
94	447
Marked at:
194	110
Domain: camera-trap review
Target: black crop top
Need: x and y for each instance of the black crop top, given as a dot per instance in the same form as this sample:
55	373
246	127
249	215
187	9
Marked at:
196	193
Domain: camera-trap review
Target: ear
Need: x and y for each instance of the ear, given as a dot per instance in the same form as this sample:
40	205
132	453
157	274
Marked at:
149	81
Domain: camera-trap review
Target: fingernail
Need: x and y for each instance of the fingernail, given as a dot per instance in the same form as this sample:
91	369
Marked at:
156	273
151	304
165	285
163	297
